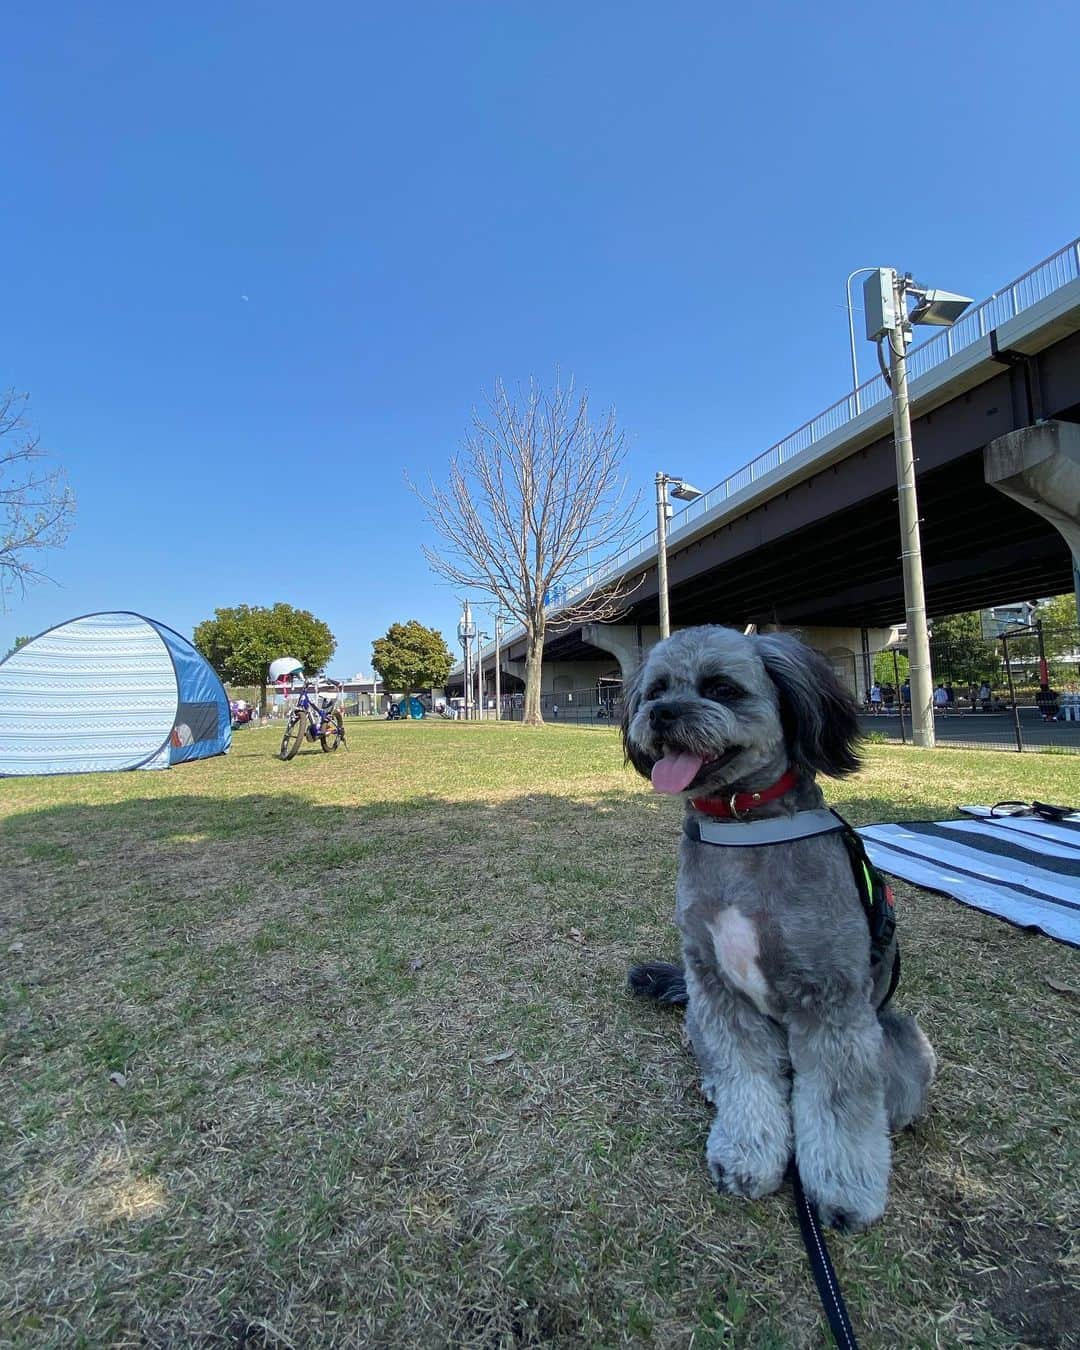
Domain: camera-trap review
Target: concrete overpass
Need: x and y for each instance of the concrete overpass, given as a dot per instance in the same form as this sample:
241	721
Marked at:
806	535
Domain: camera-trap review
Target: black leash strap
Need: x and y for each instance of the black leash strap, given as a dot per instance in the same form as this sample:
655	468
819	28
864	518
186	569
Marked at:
828	1286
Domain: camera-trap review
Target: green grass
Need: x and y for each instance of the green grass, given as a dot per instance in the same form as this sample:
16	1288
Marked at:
382	1085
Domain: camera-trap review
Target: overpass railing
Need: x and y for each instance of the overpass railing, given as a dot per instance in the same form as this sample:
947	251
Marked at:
1028	290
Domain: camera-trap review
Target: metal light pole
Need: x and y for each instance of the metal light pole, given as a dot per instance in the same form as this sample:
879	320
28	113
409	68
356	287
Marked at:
466	632
885	295
481	638
851	332
663	510
687	493
498	664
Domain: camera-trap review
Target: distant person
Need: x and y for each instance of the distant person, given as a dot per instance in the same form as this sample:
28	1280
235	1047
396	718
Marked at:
1046	700
875	697
888	697
905	692
984	696
554	710
950	698
941	700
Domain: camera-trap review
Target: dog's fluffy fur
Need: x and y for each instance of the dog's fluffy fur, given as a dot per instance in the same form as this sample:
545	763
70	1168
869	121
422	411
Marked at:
776	973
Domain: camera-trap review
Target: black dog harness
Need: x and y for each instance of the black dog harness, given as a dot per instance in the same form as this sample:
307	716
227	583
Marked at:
875	894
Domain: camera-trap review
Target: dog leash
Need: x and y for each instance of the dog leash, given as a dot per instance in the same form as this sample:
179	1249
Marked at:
654	980
828	1286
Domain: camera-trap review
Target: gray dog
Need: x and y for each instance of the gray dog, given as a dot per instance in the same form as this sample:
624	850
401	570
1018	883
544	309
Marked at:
783	986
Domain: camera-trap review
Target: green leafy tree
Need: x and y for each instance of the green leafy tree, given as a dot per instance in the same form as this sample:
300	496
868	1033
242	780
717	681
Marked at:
885	670
19	642
961	655
1059	623
241	642
411	657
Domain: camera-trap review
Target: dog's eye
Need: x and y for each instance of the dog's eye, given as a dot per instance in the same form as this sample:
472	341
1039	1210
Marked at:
655	689
720	691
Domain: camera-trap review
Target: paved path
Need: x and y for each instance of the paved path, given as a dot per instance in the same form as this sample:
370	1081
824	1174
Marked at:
995	731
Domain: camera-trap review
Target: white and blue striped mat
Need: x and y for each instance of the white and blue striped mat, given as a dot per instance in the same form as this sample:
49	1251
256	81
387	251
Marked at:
1019	868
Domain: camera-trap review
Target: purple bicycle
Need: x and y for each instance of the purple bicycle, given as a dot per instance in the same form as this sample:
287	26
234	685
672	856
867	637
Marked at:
316	717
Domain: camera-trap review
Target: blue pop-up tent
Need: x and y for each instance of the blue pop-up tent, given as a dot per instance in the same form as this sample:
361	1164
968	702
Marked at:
109	691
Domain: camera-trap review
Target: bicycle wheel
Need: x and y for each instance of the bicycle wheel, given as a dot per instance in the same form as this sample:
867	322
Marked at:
331	737
293	738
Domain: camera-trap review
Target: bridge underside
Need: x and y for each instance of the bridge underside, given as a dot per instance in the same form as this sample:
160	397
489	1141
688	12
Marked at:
979	548
825	552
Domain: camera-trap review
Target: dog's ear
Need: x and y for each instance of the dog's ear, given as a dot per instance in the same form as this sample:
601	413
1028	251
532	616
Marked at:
818	714
631	701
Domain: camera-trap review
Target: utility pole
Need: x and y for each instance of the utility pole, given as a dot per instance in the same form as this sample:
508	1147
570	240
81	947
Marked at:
921	676
887	318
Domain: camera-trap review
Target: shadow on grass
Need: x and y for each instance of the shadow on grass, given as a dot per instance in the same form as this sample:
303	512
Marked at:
53	833
441	981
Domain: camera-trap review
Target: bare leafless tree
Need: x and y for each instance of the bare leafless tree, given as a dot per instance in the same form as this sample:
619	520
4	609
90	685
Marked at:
532	502
36	503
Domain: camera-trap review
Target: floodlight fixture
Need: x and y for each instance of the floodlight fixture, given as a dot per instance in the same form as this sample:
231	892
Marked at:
940	308
684	491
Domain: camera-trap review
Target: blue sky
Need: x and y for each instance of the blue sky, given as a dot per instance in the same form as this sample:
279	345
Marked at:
417	199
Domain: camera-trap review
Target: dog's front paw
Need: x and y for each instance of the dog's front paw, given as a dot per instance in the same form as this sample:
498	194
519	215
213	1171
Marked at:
845	1220
846	1175
747	1172
851	1208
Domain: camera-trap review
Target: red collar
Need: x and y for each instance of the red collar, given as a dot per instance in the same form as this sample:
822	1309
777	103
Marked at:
738	804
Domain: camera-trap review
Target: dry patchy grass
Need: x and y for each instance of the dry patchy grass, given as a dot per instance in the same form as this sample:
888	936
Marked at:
337	1053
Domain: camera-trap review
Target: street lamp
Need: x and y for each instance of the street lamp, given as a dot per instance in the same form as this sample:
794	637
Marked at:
685	492
885	294
851	332
466	631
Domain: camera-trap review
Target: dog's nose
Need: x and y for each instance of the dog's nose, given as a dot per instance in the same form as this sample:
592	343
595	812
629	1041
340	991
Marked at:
663	715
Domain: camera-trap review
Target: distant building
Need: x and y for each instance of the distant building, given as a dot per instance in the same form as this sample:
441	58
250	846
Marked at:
999	618
362	696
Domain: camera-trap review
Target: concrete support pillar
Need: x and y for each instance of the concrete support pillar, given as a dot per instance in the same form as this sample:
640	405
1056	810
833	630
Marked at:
628	643
1040	467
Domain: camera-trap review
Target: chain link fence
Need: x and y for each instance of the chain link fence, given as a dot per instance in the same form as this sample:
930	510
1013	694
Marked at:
990	693
595	707
1019	691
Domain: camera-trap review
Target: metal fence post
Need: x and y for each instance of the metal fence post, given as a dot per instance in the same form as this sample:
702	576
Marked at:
899	694
1012	694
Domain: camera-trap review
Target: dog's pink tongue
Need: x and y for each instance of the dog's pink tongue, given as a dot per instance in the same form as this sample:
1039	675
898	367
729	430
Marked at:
675	773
